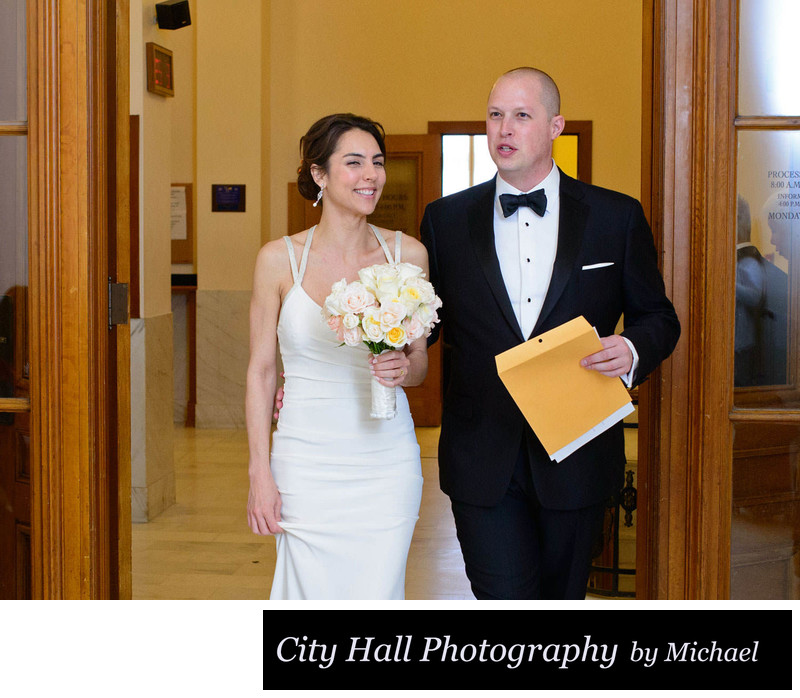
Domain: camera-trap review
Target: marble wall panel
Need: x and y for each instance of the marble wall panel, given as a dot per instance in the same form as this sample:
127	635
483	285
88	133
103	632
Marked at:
180	359
222	355
152	461
138	404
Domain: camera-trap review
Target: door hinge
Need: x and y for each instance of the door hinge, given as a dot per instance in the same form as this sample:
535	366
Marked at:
117	304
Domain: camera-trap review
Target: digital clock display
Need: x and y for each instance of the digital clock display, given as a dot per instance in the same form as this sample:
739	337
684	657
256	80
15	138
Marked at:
160	78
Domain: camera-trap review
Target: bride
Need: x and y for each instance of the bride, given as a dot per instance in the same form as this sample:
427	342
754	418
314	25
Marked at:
340	490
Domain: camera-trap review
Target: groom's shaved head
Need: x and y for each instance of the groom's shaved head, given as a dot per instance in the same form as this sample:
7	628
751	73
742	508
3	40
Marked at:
551	98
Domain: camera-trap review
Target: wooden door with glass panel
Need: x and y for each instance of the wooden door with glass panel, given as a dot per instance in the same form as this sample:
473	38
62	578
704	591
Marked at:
15	494
413	179
765	518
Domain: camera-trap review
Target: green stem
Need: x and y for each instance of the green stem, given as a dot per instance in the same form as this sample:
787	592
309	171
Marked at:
377	347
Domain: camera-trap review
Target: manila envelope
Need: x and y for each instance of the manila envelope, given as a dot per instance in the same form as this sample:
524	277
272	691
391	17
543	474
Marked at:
565	404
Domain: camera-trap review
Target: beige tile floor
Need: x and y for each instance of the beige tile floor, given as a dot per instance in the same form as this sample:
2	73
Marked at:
201	547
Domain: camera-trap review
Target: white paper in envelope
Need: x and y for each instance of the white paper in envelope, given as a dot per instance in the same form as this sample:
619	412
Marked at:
565	404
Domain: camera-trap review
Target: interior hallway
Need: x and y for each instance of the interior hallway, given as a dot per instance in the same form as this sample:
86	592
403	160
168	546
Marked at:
202	548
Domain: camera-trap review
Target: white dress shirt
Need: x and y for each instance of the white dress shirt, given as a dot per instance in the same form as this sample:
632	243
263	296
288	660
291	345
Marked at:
526	246
526	249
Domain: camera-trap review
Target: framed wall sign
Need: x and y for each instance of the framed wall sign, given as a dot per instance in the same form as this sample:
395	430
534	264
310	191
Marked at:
228	197
182	225
160	77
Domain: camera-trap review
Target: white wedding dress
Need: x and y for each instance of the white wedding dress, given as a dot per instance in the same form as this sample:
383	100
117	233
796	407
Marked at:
350	485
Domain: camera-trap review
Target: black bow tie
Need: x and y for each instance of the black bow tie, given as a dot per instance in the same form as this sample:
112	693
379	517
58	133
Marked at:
535	200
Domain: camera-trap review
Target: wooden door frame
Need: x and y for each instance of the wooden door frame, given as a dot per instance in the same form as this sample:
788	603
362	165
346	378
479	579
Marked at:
689	187
80	460
583	129
686	493
119	270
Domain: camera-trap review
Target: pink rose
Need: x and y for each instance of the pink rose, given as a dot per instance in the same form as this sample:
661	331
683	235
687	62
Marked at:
335	323
353	336
391	315
356	298
414	328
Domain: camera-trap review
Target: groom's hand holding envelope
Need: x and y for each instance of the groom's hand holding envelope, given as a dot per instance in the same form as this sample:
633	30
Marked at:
614	360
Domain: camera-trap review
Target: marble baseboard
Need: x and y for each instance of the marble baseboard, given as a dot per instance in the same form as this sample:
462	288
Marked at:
148	502
152	392
138	403
180	353
220	417
179	412
223	350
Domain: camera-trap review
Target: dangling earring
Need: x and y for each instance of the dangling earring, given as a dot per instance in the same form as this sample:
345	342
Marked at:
319	196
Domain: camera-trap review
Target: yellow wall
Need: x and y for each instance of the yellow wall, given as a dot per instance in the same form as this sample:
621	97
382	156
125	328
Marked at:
266	122
405	63
252	75
208	133
229	138
262	72
155	165
183	142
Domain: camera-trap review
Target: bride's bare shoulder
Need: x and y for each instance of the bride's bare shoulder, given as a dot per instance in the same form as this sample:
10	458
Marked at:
409	241
272	262
275	252
414	251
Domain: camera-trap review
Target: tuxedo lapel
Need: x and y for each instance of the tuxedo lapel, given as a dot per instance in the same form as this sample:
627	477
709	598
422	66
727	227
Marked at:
571	226
481	230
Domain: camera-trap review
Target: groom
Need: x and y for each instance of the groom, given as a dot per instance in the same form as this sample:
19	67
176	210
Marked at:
508	267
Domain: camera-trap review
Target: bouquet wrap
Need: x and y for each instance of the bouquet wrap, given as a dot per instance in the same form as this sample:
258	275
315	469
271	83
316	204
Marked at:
384	401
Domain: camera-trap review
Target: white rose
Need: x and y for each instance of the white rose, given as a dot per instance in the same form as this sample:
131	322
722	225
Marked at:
387	281
391	315
332	305
353	336
368	275
372	325
407	271
411	297
350	321
425	289
426	315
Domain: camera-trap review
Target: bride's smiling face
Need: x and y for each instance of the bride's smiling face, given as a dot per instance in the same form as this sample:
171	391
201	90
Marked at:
355	174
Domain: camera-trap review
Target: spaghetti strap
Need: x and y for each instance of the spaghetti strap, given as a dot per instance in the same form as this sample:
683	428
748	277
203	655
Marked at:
304	258
297	276
398	241
383	244
292	259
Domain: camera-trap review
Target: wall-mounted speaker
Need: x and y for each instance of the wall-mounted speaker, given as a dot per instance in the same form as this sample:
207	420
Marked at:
173	14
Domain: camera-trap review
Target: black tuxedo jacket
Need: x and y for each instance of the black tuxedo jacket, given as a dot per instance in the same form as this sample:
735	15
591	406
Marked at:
482	428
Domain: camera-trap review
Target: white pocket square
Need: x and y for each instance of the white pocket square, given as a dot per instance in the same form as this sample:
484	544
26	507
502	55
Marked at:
597	266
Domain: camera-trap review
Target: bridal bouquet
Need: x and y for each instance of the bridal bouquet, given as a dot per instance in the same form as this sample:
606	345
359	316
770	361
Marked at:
390	305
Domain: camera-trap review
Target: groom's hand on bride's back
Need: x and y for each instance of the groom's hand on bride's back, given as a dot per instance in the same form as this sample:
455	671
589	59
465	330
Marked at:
278	401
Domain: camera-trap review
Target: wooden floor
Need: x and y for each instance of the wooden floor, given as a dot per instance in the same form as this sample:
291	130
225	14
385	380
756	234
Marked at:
202	548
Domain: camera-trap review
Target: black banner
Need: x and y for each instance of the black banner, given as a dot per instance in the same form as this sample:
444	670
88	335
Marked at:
528	649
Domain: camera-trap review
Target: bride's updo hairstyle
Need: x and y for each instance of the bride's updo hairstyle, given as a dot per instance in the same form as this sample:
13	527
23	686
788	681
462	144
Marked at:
317	146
